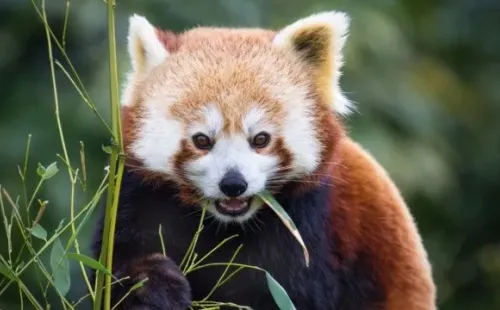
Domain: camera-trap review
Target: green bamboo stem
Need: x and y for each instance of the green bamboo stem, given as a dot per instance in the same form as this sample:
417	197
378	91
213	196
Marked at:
116	172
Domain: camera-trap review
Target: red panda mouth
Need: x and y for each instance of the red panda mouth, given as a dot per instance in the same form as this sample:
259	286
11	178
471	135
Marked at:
233	206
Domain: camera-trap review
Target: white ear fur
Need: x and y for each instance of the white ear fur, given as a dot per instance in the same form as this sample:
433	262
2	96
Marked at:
145	51
144	47
327	33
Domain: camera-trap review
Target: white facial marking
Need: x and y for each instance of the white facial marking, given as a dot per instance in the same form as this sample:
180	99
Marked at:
300	134
299	131
158	140
212	123
231	152
253	121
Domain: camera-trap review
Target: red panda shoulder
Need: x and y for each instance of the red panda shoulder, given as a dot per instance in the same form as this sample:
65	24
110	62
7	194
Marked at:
370	218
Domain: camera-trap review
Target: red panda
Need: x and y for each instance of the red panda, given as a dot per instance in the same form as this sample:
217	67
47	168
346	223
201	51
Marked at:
218	115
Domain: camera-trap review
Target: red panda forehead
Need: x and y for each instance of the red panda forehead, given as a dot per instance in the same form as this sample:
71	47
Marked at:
213	50
234	70
234	111
202	38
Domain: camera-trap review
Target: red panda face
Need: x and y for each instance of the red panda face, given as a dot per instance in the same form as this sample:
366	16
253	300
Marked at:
228	113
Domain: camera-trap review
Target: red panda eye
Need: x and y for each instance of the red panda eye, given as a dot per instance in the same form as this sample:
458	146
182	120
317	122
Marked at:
261	140
202	141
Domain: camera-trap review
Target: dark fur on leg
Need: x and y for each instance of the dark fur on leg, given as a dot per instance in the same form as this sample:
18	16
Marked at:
165	289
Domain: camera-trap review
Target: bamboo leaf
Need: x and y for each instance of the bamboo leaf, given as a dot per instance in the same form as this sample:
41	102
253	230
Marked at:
50	171
285	218
39	232
40	170
138	285
92	263
61	223
106	149
6	272
60	268
279	294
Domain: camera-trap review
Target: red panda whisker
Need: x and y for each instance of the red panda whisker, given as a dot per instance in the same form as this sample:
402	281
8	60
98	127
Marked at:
312	174
282	168
335	163
255	224
279	182
197	210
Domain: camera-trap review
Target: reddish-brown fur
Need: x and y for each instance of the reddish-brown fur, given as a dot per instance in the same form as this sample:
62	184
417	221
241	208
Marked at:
369	219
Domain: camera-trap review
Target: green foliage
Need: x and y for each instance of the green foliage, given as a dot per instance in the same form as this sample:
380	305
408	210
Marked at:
279	294
60	268
49	172
6	272
39	232
89	262
191	263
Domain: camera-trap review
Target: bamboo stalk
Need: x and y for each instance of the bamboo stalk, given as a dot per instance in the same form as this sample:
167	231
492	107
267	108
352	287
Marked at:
116	171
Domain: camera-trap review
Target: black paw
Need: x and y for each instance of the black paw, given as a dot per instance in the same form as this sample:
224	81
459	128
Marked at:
166	287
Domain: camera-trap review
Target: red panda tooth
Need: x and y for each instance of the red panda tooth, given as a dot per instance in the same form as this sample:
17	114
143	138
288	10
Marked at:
228	205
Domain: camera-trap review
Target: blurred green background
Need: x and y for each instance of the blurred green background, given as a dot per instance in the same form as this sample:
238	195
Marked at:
425	76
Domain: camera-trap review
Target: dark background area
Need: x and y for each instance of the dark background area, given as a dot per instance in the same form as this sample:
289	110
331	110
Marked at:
425	76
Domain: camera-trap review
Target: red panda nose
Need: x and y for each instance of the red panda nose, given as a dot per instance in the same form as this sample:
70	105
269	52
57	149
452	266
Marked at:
233	184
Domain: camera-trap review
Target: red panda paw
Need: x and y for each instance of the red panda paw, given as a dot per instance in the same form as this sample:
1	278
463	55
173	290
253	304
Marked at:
166	287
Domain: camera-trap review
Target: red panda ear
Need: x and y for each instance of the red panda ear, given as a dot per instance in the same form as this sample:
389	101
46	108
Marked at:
319	40
145	48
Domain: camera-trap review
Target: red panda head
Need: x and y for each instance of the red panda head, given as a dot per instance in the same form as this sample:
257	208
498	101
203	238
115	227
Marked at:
227	113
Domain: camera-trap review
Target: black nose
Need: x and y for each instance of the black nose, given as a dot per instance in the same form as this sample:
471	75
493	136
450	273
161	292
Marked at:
233	184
